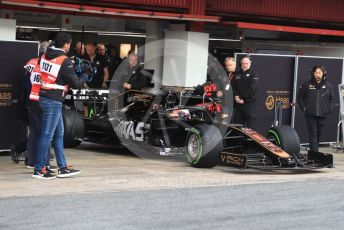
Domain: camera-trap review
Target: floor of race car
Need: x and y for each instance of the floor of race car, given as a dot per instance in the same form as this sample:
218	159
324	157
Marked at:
118	190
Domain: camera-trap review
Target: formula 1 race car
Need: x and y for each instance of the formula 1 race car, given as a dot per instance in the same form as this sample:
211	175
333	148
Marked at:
182	122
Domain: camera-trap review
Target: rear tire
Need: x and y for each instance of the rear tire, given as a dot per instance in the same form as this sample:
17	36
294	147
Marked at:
203	145
286	138
74	127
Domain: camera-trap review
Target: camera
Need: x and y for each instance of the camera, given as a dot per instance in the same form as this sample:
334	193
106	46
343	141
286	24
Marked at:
84	68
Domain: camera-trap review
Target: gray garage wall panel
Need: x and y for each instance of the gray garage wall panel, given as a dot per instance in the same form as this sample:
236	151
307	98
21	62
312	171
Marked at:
334	67
13	56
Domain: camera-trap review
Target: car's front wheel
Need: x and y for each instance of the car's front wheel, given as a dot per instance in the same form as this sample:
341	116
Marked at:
286	138
203	145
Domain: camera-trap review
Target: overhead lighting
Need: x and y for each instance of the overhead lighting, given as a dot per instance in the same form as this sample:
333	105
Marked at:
123	35
225	39
39	28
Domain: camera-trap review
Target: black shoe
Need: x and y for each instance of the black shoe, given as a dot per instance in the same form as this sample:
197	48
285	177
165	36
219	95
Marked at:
14	154
67	172
43	174
52	168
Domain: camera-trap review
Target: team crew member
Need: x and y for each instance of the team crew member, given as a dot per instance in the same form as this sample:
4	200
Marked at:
101	50
225	91
33	85
133	78
245	86
100	64
57	73
315	98
130	77
78	51
115	61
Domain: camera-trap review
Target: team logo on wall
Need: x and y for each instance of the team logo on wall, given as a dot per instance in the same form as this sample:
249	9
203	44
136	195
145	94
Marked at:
270	102
273	97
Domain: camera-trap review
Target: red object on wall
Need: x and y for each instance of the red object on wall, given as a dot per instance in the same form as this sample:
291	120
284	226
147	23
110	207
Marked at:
320	10
67	20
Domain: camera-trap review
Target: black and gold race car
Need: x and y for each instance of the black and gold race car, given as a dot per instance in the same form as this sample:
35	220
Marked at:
182	121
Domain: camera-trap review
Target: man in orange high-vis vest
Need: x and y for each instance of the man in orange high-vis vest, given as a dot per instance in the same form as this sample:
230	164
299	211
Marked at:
57	72
32	88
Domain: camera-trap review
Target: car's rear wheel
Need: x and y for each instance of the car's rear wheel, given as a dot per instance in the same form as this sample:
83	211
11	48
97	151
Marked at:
74	128
203	145
286	138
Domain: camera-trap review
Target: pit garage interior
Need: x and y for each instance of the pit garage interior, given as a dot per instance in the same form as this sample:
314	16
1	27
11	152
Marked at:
231	29
283	38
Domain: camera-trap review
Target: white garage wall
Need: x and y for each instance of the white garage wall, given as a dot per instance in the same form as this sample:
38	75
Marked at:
185	58
7	29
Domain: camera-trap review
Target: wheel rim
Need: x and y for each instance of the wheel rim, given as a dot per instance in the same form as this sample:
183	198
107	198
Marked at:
272	134
193	146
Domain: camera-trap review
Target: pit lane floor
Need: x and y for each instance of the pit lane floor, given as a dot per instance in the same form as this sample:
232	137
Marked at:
118	190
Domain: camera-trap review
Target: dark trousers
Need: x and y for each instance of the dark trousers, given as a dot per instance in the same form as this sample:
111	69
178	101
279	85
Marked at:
246	114
34	132
314	125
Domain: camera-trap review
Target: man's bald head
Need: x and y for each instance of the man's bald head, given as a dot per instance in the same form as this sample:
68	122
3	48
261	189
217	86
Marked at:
245	63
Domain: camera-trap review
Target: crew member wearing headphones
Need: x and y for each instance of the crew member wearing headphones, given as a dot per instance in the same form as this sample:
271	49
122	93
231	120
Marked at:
315	98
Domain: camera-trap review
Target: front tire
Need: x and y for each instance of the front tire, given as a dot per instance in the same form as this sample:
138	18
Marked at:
203	145
286	138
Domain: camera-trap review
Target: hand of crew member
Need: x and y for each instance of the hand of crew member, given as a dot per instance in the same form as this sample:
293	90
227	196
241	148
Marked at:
219	93
127	86
238	100
104	85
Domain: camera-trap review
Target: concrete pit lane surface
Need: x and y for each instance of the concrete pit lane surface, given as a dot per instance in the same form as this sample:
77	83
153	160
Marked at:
118	190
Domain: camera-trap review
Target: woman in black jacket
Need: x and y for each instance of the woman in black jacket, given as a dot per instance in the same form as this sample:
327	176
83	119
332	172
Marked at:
315	98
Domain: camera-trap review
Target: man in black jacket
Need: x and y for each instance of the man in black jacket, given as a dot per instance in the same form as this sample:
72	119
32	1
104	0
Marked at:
315	98
225	92
100	65
57	74
245	86
133	78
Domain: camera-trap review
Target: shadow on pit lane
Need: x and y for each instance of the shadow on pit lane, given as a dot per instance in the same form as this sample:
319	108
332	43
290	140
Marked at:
122	151
104	149
269	172
5	153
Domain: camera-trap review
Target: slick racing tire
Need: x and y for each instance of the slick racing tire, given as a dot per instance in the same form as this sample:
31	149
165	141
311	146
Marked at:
286	138
203	145
74	127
